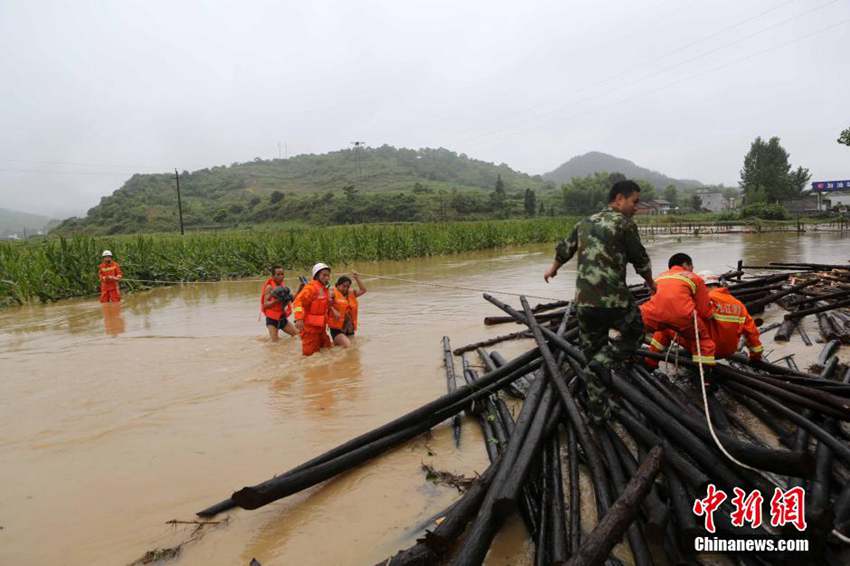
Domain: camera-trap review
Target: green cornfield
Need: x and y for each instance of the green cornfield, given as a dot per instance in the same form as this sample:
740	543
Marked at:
59	268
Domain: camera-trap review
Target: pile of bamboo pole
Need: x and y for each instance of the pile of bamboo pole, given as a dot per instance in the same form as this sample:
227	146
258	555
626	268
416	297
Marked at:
782	427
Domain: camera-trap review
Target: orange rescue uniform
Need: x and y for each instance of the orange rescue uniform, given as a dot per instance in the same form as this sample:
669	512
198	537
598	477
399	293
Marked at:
109	291
275	311
343	306
679	294
311	306
729	320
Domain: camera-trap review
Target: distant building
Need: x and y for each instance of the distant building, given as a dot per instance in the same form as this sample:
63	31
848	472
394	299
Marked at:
716	201
805	205
837	200
657	206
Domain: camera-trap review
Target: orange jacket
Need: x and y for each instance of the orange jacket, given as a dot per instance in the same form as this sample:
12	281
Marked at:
311	305
729	321
109	270
275	311
679	293
343	305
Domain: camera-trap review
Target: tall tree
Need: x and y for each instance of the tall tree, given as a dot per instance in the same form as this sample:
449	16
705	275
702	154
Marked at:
844	137
696	202
671	194
767	174
530	202
498	196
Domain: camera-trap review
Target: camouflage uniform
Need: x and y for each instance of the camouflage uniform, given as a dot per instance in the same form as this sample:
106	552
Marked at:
605	242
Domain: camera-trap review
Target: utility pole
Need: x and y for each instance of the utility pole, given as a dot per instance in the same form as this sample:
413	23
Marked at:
179	202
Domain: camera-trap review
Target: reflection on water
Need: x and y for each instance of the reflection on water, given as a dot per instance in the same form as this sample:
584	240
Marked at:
165	403
113	322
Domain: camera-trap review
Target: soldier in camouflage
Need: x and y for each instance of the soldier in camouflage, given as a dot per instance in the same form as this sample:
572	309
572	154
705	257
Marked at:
605	242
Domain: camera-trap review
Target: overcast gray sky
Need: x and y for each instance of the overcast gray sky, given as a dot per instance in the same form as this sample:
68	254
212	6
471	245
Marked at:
94	91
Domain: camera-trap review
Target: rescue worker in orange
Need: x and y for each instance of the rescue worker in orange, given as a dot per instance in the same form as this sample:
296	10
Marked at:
109	273
729	321
342	318
310	309
680	294
272	305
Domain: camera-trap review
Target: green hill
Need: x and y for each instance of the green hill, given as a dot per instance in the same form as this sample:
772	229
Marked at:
597	162
352	185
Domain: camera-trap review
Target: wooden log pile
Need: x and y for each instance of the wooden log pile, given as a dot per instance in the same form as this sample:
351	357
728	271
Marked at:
772	428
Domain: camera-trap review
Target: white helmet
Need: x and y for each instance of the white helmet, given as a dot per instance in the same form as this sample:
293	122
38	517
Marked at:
318	267
709	277
106	253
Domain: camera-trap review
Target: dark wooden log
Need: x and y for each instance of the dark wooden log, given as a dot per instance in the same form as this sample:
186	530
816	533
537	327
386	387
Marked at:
436	411
560	545
821	297
829	350
672	457
680	435
501	497
817	266
543	542
594	461
451	384
492	341
610	529
520	386
575	489
814	310
481	414
804	335
759	281
768	419
498	419
838	447
759	304
540	307
681	505
492	381
634	534
786	329
655	512
542	317
777	461
813	398
517	392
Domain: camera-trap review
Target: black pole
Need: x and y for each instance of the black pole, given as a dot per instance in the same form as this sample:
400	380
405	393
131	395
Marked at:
179	202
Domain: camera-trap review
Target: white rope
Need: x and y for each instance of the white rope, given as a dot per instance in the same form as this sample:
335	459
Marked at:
705	403
476	289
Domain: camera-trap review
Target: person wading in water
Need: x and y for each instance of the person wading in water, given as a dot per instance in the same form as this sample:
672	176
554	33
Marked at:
342	318
605	242
109	273
311	308
275	305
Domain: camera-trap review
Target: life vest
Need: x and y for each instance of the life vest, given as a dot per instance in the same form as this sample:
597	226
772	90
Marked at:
343	306
679	292
311	305
109	270
729	321
275	311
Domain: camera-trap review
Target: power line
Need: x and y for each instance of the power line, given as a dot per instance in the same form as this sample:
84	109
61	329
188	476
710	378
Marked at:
555	109
714	69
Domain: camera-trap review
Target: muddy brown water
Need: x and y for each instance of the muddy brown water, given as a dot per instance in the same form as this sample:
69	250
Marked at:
114	420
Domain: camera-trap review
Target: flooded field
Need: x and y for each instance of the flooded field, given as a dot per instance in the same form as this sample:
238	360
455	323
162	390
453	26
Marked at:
116	419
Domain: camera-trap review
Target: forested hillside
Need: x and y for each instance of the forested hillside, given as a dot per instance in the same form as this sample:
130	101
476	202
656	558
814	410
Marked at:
354	185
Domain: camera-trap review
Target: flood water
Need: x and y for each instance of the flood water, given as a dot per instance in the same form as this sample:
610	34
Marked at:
115	420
